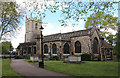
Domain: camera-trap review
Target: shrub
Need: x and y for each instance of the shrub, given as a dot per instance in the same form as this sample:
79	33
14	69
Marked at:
86	57
54	58
99	58
26	56
19	57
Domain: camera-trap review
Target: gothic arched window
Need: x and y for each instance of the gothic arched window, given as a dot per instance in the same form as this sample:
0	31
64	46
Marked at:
34	50
54	49
95	45
45	48
29	50
66	48
36	26
77	47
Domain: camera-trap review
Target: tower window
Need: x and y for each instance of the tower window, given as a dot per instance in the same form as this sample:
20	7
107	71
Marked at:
36	26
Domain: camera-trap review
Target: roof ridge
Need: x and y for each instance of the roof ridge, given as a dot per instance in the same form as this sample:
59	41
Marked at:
68	32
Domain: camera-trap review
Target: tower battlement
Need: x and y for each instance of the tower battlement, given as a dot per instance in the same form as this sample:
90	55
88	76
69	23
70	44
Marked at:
32	28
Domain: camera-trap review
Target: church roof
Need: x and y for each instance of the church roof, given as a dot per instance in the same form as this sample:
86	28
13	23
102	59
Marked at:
26	44
106	45
67	36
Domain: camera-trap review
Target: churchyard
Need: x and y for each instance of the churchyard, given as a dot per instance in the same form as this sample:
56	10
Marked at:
87	68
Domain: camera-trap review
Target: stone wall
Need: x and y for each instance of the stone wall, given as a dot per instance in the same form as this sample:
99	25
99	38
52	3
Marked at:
59	45
85	44
95	34
32	29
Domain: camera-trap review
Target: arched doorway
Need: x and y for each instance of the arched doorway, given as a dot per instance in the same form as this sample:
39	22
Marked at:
54	49
95	45
66	48
45	49
77	47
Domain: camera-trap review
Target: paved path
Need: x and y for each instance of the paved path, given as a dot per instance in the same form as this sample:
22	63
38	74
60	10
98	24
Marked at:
26	69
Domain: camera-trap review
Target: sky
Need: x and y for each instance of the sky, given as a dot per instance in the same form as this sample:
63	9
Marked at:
51	26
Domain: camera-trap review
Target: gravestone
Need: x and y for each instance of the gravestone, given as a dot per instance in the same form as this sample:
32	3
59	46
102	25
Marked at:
33	58
73	59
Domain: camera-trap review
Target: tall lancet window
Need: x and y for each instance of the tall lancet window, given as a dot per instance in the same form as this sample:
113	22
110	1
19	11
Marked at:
36	26
77	47
95	45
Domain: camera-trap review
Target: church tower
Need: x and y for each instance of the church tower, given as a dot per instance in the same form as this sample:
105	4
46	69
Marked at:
32	28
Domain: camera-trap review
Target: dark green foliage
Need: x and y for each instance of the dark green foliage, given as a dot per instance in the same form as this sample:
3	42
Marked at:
19	57
86	57
99	58
54	58
22	57
6	47
101	19
26	56
105	21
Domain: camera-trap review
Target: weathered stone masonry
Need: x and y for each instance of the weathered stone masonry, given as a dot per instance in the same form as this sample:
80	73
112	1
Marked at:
63	44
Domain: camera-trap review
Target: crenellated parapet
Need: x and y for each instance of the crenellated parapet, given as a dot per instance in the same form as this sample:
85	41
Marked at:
32	28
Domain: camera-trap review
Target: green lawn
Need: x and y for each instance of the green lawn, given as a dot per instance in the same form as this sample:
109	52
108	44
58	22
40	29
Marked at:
88	68
7	70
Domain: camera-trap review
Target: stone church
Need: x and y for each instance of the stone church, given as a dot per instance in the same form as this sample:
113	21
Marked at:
63	44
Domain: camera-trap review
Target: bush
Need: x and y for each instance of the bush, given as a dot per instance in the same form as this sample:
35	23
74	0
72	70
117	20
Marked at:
99	58
54	58
19	57
86	57
26	56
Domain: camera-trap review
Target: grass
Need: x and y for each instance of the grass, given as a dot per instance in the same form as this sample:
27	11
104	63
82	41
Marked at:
7	70
27	60
88	68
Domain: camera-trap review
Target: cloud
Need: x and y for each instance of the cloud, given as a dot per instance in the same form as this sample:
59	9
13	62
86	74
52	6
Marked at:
81	21
110	30
48	29
50	3
114	15
19	36
51	29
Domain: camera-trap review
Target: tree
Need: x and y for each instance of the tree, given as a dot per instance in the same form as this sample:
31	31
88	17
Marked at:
111	39
10	17
71	9
104	22
6	47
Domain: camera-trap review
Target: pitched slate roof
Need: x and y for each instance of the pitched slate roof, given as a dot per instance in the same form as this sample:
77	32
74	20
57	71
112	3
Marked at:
67	36
106	45
26	44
